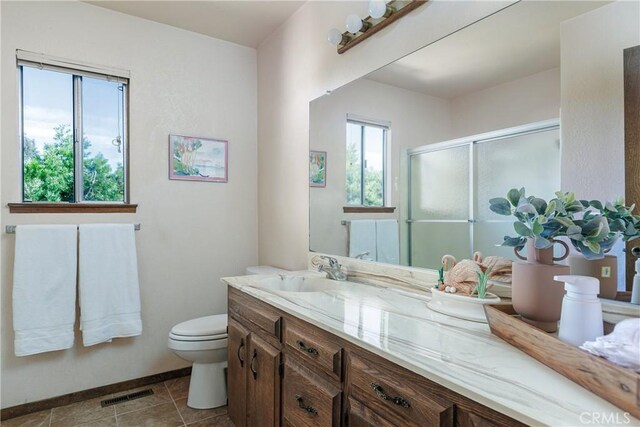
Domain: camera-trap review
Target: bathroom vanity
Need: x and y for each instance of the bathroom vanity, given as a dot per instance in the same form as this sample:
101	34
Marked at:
370	355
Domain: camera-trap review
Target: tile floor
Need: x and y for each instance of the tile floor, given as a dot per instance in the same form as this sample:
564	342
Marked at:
167	407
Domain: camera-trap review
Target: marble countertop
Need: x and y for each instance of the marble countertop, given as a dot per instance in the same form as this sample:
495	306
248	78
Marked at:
460	355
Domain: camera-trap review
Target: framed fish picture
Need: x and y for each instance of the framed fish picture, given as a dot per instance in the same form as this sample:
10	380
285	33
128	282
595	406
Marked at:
198	159
318	168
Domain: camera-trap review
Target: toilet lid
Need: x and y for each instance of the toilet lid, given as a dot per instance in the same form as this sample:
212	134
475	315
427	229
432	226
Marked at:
202	326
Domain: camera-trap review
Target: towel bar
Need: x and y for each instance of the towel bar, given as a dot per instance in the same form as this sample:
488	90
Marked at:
11	229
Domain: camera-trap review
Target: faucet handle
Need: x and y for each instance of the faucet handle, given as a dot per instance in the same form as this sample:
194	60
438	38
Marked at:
333	263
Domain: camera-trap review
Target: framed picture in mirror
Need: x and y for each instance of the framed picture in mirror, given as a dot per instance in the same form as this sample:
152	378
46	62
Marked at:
318	168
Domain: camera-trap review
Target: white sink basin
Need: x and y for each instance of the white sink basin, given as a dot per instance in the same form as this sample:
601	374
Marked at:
297	284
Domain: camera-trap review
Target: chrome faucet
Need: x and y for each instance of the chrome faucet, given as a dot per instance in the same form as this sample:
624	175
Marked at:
361	255
334	270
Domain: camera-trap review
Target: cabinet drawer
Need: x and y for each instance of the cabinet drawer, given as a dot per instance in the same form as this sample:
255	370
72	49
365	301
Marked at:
314	346
242	308
307	400
395	394
358	415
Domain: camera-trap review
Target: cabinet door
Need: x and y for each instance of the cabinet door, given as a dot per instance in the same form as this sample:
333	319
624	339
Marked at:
263	383
358	415
237	373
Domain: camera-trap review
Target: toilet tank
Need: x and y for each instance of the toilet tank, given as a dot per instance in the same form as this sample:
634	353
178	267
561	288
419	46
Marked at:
265	269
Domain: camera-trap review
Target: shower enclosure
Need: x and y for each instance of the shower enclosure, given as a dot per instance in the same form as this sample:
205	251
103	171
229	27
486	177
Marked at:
451	183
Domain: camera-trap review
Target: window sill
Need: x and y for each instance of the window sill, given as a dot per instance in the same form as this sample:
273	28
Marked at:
36	208
368	209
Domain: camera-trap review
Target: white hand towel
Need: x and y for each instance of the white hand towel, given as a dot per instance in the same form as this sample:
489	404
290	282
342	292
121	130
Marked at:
387	241
44	288
362	238
108	286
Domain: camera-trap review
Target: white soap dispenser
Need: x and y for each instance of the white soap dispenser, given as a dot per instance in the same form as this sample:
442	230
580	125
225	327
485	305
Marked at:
581	317
635	290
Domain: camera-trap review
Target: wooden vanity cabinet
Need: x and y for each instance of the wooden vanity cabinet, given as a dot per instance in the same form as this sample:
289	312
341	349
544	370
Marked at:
284	371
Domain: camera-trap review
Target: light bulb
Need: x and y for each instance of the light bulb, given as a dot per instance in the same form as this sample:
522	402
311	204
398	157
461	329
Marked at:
334	36
377	8
354	23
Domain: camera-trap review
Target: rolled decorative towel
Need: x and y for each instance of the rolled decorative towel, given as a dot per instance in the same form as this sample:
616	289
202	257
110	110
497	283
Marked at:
622	346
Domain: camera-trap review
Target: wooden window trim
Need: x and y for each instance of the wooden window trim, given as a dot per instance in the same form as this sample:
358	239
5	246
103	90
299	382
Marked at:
37	208
368	209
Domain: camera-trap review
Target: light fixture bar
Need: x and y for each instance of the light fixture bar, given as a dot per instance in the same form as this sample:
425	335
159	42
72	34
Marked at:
375	27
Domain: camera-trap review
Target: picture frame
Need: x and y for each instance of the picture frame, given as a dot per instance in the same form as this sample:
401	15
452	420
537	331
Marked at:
198	159
317	168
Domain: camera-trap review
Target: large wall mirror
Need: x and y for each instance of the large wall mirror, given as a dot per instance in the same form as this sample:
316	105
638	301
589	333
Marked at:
413	152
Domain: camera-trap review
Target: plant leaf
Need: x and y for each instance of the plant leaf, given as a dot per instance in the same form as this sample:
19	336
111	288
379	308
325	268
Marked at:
513	196
574	232
537	227
522	229
596	204
514	242
541	243
500	206
539	204
526	207
593	246
567	222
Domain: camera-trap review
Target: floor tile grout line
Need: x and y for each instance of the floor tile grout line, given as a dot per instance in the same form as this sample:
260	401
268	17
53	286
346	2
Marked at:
175	405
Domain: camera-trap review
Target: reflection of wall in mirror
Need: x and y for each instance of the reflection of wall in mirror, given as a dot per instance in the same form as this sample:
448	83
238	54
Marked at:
416	119
592	129
404	109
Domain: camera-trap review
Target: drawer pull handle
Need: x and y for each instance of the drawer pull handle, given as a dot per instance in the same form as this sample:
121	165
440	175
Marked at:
310	409
239	349
253	358
400	401
302	346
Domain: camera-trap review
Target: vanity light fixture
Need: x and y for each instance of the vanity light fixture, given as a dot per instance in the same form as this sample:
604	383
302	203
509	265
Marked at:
381	14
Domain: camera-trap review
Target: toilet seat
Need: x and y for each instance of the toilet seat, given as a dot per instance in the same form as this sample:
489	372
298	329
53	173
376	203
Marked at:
202	345
179	337
201	327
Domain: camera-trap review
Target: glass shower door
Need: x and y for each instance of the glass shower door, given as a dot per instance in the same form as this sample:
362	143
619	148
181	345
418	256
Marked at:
439	206
530	160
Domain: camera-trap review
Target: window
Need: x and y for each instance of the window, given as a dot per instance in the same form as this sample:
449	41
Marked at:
73	134
366	164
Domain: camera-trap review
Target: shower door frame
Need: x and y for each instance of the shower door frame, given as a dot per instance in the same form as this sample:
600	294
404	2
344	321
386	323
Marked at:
470	142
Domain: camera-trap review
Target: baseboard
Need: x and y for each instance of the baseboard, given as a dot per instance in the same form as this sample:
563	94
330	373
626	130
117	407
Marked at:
78	396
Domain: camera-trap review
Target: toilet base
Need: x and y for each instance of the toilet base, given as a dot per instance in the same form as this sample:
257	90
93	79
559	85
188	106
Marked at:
207	388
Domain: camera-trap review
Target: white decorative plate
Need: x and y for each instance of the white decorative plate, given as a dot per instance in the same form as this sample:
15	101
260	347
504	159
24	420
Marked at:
461	306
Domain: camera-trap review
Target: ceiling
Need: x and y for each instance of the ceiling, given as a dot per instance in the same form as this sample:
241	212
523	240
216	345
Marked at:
519	41
243	22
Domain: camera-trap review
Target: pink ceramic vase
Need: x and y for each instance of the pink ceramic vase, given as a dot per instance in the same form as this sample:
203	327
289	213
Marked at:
536	297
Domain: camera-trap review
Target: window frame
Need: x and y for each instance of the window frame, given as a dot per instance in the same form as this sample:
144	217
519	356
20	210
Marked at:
77	73
386	128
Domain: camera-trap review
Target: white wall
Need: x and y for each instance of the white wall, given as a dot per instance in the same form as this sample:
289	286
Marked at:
416	119
296	65
192	233
593	98
530	99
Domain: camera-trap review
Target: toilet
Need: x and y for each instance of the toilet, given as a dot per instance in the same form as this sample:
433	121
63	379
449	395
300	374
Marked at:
203	341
